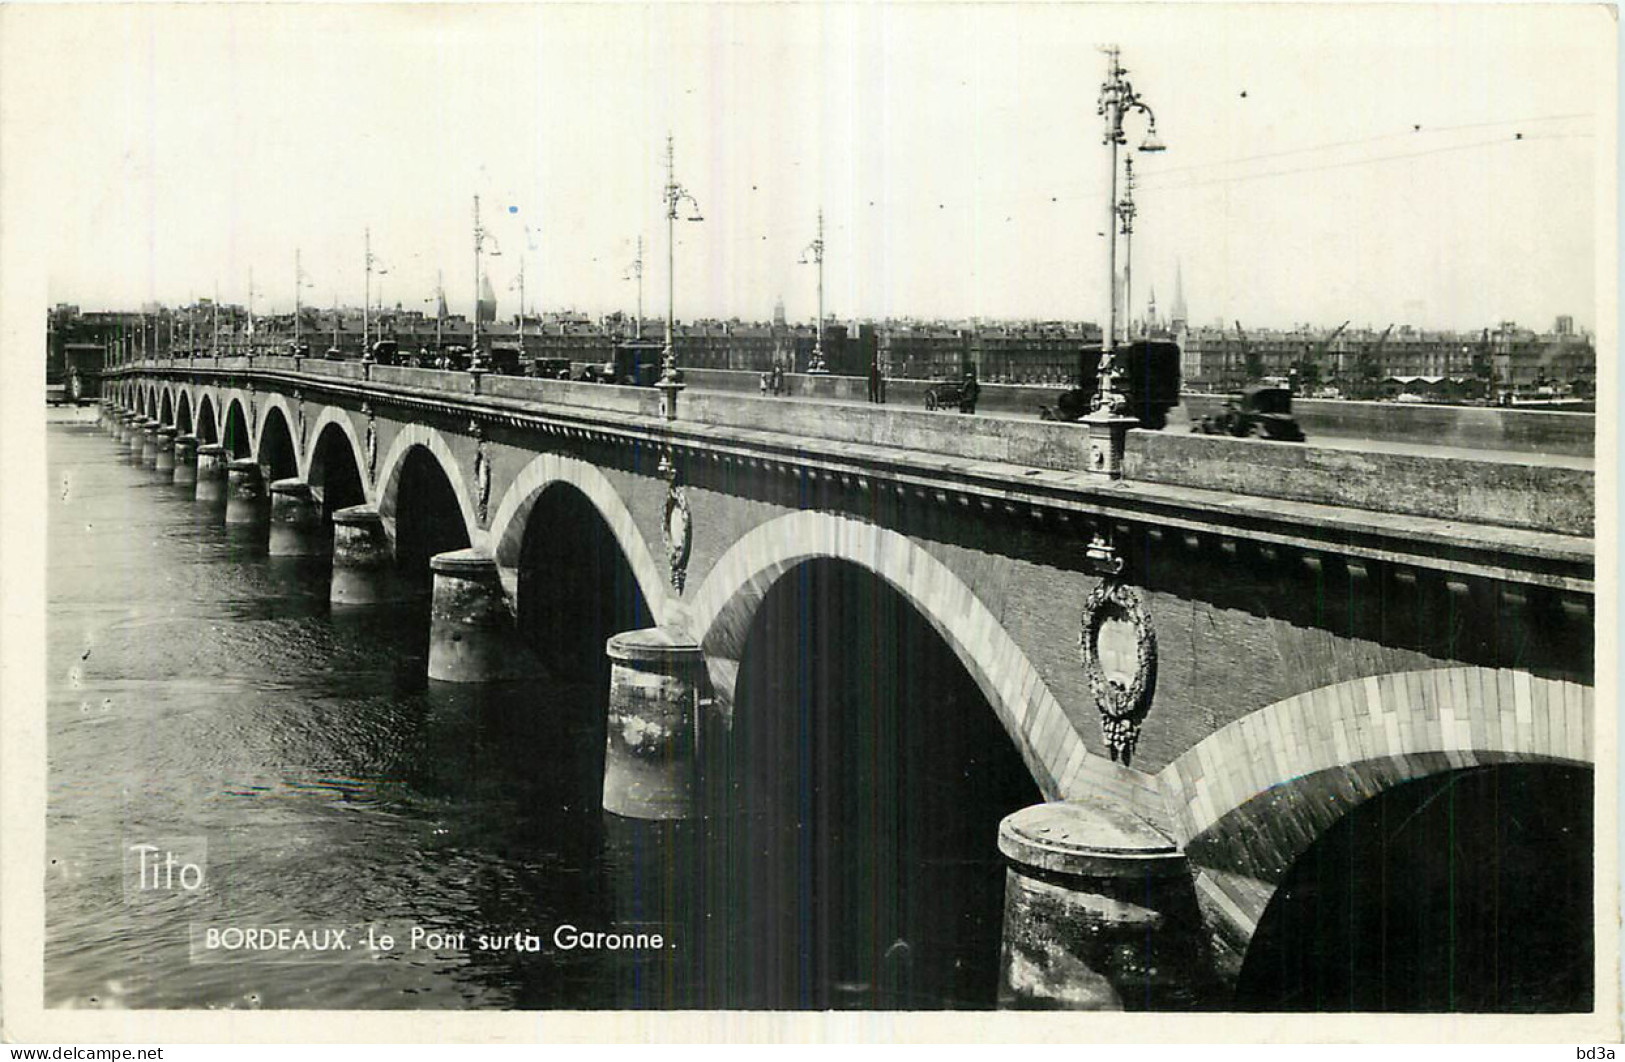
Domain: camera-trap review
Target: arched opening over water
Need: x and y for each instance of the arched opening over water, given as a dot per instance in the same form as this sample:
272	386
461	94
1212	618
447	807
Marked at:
206	421
857	797
235	438
166	410
428	518
1467	891
183	414
334	474
575	589
277	457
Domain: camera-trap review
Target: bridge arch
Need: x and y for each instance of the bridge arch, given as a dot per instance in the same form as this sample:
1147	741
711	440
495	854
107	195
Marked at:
166	408
387	484
1251	798
263	425
725	605
519	500
234	433
315	470
275	449
207	427
183	412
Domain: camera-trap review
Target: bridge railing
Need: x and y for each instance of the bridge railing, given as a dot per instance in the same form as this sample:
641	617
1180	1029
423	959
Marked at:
1524	496
1470	427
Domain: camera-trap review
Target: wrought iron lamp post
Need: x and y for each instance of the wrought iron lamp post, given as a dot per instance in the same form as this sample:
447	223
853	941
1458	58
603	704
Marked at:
372	266
635	272
1110	420
675	195
476	359
1126	211
1117	99
815	364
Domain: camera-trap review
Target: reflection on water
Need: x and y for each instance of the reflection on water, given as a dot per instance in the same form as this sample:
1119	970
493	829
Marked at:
199	689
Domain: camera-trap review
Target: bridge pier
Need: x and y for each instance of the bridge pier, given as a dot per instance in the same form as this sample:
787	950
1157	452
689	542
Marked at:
138	439
650	765
471	631
1100	913
245	492
211	473
164	458
149	444
185	460
363	563
296	520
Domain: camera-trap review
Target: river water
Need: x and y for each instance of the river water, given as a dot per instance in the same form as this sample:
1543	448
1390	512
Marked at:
204	699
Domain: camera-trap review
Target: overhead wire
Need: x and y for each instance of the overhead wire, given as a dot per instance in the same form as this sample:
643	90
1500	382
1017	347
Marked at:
1151	182
1360	141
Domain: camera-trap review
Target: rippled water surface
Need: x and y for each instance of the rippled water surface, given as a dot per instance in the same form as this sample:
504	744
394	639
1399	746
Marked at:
201	690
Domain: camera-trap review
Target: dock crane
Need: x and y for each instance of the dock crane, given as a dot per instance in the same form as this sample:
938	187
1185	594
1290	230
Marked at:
1370	367
1325	344
1246	357
1312	369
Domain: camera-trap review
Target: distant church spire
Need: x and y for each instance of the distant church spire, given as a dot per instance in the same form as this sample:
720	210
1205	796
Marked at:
1179	317
487	308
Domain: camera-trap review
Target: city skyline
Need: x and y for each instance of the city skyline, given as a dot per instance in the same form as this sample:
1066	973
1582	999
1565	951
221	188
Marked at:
1316	171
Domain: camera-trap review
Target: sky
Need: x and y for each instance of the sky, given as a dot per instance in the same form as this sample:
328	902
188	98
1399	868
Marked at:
1440	166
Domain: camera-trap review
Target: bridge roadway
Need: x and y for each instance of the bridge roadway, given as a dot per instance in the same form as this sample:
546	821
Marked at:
1180	421
1203	666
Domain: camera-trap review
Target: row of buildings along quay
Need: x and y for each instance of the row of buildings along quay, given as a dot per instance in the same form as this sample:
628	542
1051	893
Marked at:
1353	362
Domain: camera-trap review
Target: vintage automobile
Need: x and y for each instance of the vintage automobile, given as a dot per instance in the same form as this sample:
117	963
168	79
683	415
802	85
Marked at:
550	368
1265	411
637	362
503	359
960	394
1150	374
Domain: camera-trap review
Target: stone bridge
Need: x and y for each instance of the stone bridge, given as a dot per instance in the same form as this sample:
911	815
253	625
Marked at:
1202	668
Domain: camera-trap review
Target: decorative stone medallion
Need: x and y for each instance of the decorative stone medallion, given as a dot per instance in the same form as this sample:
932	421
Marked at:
677	526
372	443
679	533
482	471
1122	707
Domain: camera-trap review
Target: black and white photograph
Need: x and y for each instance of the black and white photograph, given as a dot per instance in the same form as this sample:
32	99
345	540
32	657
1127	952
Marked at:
720	512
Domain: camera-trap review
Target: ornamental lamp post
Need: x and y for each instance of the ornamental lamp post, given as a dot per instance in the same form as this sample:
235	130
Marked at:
249	335
635	272
372	265
815	249
1125	213
1110	420
476	360
301	280
675	194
